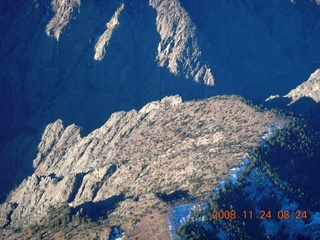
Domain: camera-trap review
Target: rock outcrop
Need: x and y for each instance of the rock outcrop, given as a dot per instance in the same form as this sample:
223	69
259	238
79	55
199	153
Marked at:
166	147
310	88
103	41
43	78
178	49
62	14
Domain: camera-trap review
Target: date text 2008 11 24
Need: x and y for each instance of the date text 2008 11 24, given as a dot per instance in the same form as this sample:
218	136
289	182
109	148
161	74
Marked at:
281	214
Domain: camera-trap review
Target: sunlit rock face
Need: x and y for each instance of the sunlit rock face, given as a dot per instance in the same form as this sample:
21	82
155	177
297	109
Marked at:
82	60
63	11
309	88
178	42
303	99
103	41
48	53
167	146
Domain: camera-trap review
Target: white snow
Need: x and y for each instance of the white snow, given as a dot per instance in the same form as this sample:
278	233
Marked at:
181	215
115	234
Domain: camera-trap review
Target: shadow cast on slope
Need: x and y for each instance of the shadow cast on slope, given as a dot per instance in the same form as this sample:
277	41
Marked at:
127	79
96	210
307	107
175	197
18	148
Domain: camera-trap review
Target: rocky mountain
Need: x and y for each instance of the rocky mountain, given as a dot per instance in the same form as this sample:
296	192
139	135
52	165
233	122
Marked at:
176	35
81	61
137	164
55	55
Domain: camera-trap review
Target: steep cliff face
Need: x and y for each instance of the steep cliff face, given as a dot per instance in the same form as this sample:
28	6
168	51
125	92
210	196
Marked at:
256	47
100	47
178	49
167	148
145	50
304	99
43	79
309	88
62	13
228	45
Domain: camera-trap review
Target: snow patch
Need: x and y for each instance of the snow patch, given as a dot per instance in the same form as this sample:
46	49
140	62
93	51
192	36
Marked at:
183	214
268	134
236	170
115	234
180	215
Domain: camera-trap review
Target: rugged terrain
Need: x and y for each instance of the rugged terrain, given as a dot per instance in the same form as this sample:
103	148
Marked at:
56	55
275	197
308	89
138	163
82	61
304	100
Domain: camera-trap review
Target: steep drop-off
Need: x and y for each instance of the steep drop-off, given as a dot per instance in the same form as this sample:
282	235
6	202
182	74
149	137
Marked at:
137	164
150	49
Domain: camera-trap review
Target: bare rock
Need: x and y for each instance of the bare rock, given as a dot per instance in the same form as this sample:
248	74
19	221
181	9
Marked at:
166	146
103	41
310	88
178	49
63	10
